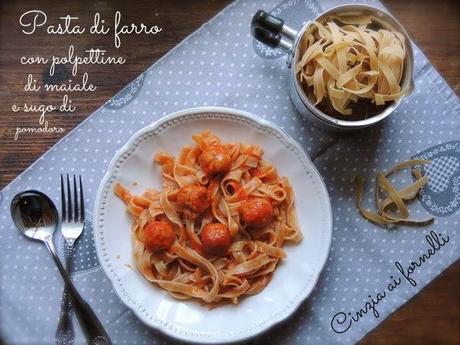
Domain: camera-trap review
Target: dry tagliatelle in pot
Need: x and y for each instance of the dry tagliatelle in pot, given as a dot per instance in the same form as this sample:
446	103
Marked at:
347	65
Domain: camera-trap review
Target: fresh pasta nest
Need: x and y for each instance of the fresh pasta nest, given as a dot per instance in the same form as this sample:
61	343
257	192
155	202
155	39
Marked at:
216	229
347	62
392	197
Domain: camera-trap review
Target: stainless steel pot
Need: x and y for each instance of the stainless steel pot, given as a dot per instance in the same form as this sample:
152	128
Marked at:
274	33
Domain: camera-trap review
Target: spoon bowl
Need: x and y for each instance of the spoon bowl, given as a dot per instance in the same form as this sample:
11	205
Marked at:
35	215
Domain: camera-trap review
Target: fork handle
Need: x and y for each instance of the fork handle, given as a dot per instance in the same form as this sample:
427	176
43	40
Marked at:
90	324
64	332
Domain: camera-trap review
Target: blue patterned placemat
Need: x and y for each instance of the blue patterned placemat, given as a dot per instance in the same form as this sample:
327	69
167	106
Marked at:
370	272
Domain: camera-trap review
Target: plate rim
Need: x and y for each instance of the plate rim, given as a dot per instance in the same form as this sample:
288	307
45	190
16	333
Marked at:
277	319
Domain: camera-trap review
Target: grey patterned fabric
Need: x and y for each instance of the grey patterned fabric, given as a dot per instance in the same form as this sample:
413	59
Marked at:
220	64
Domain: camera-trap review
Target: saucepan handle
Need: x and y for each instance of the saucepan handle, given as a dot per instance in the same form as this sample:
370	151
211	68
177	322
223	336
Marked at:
272	31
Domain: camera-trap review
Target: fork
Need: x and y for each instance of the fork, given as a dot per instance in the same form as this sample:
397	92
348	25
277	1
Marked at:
71	229
73	221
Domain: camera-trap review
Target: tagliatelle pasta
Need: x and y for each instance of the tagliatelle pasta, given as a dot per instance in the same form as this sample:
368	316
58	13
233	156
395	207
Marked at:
217	228
346	61
393	197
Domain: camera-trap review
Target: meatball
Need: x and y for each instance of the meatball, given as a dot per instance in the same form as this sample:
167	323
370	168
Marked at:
194	197
215	159
256	212
215	238
158	235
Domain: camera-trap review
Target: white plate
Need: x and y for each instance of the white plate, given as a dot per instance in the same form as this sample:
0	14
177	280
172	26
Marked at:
294	279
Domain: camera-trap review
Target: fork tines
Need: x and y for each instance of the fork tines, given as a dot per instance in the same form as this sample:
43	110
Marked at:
77	212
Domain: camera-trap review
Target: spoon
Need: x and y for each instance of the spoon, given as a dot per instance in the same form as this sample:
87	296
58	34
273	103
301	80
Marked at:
35	215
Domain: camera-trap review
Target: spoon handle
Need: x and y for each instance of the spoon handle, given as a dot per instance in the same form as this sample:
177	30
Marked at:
90	324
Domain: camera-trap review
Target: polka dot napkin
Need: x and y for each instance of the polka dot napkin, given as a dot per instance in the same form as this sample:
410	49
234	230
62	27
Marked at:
367	275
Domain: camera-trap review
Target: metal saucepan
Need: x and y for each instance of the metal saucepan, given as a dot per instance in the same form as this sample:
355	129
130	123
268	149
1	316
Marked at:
274	33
